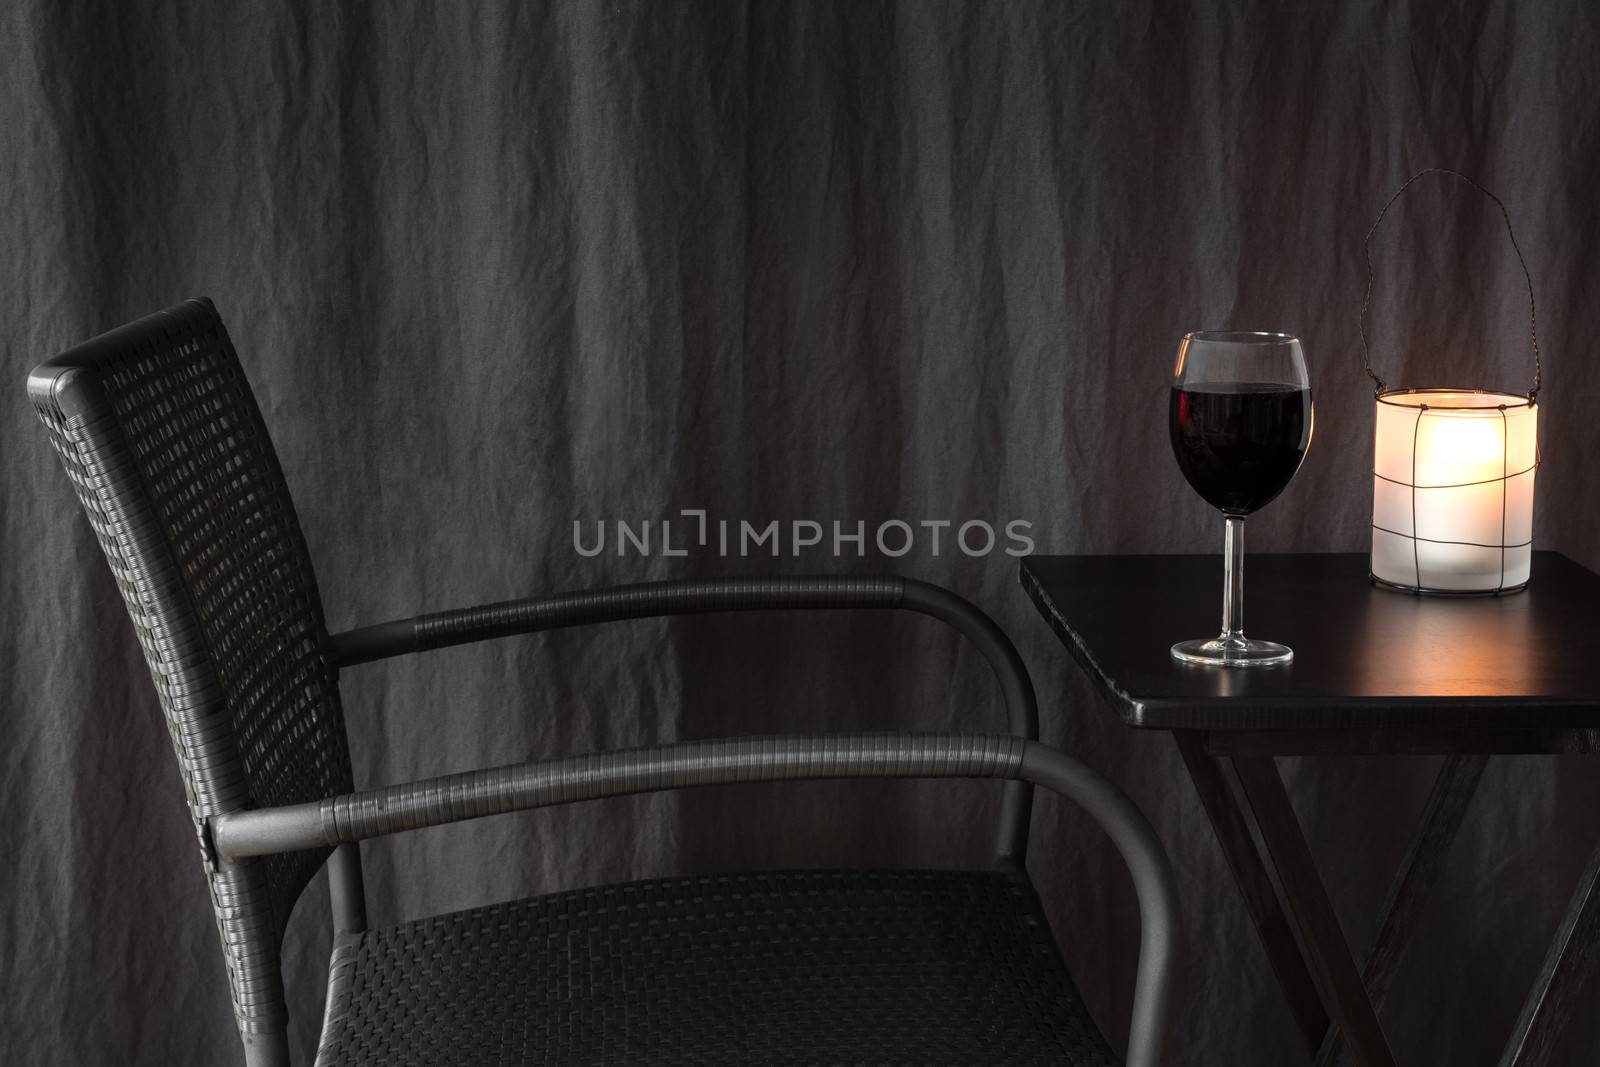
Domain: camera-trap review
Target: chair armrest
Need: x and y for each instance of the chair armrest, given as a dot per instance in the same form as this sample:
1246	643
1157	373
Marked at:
698	596
584	607
454	798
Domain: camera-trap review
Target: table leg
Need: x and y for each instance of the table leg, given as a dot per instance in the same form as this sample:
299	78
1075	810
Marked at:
1306	902
1232	827
1573	958
1447	803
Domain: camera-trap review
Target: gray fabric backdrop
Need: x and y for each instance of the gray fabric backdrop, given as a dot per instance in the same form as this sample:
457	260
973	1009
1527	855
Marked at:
496	268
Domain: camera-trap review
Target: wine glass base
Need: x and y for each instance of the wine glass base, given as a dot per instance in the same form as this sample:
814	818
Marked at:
1236	652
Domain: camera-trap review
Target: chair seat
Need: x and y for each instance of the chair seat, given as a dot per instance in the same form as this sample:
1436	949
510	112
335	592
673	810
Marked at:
796	967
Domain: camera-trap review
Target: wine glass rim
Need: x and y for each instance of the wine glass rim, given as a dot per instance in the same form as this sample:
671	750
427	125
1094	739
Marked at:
1241	337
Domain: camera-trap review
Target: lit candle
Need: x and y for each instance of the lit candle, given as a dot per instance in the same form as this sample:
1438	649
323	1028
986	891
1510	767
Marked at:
1452	489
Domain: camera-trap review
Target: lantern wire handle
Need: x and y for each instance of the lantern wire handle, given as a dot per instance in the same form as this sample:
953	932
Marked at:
1533	318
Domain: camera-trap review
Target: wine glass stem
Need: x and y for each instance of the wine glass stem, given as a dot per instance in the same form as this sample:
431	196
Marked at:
1233	579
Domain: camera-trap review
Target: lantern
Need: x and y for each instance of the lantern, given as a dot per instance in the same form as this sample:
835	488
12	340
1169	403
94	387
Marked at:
1453	472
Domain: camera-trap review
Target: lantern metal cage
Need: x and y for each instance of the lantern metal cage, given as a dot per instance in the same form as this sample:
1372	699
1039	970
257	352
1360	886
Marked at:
1453	470
1513	538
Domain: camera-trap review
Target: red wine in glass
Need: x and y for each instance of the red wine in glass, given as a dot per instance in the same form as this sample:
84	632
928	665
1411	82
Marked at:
1240	416
1239	443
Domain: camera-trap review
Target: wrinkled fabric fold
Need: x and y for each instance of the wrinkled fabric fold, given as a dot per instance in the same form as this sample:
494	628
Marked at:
495	269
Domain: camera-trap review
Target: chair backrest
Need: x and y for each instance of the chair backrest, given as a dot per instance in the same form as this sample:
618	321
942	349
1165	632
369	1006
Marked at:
164	443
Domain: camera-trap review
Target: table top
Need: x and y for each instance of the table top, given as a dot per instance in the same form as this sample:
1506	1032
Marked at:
1365	658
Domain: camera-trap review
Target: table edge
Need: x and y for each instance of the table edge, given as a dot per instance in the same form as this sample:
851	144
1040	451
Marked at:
1351	713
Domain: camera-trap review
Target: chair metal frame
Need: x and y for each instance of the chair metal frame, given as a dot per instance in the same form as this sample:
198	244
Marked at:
235	828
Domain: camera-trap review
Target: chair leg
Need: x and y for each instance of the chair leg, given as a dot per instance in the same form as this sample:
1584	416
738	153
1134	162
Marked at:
267	1050
347	890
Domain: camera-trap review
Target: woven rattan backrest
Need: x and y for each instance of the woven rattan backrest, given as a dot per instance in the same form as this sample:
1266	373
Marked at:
163	441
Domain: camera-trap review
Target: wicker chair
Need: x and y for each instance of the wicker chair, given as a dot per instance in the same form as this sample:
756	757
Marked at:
165	445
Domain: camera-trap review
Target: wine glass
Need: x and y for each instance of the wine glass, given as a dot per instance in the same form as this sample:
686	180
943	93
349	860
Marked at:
1241	422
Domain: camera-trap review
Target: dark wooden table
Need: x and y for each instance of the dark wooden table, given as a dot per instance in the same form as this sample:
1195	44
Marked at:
1375	672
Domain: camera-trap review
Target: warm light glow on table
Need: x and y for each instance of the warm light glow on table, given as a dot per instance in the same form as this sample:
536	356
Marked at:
1452	495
